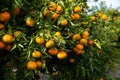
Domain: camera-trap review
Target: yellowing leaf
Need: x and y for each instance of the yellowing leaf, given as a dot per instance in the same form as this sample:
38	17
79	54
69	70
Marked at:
97	43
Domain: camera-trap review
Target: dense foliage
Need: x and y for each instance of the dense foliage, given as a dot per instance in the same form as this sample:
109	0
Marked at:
64	39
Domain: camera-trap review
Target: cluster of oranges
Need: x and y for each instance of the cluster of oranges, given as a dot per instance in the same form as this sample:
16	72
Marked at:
6	42
32	65
83	41
100	15
75	15
61	33
53	10
7	39
52	50
4	17
56	11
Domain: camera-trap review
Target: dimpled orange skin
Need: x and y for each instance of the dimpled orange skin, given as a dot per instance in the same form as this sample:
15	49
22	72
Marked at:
59	9
31	65
2	45
75	16
54	16
52	6
76	36
83	41
49	44
8	47
45	13
2	26
5	16
40	40
93	18
36	54
77	9
85	34
61	55
64	22
57	34
53	51
79	46
90	42
30	23
7	38
104	17
39	64
16	11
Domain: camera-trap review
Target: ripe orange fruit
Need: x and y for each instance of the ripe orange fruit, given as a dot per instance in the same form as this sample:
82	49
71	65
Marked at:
79	52
57	34
53	51
31	65
75	16
71	60
75	49
79	46
36	54
16	11
45	12
100	14
29	22
54	16
76	36
8	47
40	40
101	79
104	17
5	16
61	55
39	64
2	45
59	9
64	22
49	43
93	18
16	33
77	9
52	6
90	42
83	41
82	52
85	35
84	23
7	38
2	26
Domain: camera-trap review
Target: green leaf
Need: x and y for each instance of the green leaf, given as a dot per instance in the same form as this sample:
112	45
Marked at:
97	43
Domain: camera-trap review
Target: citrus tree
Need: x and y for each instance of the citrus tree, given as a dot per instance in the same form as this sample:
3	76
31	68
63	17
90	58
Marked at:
63	39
